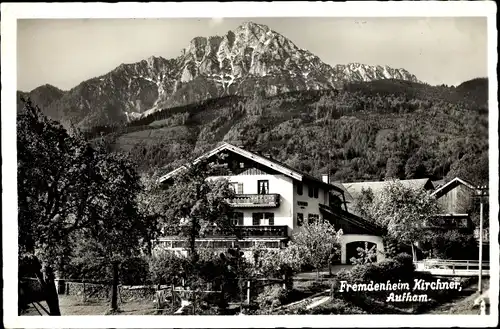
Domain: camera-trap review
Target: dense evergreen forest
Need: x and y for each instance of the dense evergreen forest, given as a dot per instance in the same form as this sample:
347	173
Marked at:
366	131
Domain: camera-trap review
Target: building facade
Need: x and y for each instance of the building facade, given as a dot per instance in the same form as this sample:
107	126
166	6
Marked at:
272	201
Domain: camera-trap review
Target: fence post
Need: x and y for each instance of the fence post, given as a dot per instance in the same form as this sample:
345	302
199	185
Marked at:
248	292
114	290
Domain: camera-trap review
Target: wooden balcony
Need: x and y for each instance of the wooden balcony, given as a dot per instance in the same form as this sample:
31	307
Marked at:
255	201
258	231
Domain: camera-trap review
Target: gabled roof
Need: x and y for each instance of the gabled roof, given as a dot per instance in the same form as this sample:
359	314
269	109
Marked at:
353	219
270	163
355	189
455	181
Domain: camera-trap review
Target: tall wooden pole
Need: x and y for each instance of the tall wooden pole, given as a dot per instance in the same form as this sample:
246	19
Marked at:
480	288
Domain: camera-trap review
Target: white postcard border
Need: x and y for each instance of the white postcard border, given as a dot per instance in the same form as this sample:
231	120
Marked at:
11	12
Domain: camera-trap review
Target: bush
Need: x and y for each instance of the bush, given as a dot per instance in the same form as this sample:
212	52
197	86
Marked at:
166	267
452	244
81	269
135	271
399	268
406	260
272	296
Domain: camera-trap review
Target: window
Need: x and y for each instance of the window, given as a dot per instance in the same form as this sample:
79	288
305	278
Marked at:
236	187
242	165
312	218
237	219
300	189
310	191
263	218
263	187
300	218
316	192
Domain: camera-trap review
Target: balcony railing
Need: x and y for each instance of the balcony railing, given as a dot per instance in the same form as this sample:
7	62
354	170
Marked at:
260	231
255	200
220	243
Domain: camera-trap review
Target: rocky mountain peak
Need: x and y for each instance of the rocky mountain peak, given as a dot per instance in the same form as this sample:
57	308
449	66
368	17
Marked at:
252	58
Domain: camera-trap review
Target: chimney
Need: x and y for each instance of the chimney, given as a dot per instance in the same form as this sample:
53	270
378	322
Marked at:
325	179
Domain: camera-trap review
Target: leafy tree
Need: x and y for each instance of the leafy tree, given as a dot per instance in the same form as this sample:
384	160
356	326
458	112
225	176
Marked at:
364	203
452	244
116	231
166	267
196	204
394	168
403	211
365	255
315	243
67	191
274	263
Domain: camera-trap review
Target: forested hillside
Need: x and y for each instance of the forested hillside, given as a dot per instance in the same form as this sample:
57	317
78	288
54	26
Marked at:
367	131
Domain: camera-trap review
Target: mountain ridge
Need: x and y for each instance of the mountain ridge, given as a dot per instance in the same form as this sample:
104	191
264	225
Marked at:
365	131
251	59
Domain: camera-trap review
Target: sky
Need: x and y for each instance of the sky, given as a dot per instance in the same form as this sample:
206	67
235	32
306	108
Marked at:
65	52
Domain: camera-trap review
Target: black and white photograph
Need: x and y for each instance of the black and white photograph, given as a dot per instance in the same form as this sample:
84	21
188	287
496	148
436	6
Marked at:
211	166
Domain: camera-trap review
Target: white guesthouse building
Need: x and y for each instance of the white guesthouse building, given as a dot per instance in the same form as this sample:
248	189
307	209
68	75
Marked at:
273	201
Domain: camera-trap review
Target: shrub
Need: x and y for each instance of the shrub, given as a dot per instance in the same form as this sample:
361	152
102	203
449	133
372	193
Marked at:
272	296
274	263
399	268
81	268
135	271
166	267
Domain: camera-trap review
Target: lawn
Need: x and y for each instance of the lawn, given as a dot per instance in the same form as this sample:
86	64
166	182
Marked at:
73	305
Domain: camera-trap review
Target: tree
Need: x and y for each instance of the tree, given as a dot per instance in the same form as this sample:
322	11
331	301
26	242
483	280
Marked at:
116	230
273	263
363	204
403	211
315	243
67	191
53	180
196	204
365	255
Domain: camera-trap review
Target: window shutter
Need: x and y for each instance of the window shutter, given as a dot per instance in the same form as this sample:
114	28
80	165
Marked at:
310	191
256	219
270	217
